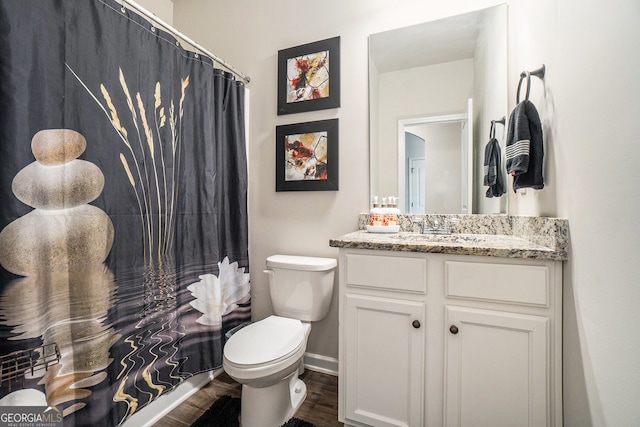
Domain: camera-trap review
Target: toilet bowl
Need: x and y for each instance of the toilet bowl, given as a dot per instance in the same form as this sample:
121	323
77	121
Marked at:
266	357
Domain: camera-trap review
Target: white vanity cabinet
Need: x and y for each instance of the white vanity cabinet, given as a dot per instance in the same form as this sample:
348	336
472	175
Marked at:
378	332
382	339
449	340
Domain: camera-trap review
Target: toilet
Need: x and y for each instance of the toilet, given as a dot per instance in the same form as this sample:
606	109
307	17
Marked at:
266	357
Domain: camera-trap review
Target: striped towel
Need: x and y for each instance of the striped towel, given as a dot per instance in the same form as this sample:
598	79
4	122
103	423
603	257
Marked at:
524	150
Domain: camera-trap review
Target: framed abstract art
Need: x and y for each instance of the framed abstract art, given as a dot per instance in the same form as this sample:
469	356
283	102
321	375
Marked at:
309	77
307	156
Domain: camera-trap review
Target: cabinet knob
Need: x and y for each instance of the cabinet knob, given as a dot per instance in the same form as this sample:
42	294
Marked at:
453	329
416	324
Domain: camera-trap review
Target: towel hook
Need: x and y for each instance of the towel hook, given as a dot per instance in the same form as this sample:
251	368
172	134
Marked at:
492	131
527	74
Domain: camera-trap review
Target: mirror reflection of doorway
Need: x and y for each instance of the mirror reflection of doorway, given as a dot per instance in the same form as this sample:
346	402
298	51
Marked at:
441	170
415	173
441	183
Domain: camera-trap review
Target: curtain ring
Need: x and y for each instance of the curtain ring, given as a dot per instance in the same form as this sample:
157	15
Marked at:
522	76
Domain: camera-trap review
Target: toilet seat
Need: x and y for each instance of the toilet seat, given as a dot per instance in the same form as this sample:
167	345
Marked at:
265	341
301	263
265	348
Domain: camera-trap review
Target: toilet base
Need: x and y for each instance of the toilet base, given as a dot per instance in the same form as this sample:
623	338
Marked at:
273	405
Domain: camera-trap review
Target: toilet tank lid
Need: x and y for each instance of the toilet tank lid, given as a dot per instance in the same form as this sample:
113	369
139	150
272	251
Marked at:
294	262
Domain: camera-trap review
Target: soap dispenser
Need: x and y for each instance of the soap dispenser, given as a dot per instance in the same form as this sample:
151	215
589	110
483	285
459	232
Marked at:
375	214
393	211
385	212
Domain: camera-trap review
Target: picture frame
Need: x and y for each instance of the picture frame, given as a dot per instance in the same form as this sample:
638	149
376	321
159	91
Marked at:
307	156
309	77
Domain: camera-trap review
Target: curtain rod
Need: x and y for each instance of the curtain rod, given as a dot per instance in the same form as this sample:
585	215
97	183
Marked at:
175	32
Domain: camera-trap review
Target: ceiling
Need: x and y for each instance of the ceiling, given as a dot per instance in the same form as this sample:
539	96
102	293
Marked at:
429	43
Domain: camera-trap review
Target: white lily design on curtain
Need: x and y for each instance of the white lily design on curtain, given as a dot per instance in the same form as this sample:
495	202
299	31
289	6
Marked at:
218	296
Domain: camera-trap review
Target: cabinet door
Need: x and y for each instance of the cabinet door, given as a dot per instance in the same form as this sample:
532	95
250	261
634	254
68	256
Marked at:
496	368
384	367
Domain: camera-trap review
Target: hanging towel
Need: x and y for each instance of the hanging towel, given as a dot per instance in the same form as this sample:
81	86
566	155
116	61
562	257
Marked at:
493	169
524	147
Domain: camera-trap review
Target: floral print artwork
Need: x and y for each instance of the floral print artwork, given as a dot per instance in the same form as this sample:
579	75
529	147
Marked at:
308	77
306	156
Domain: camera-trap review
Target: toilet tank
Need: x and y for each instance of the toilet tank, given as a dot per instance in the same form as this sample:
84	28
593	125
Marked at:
301	287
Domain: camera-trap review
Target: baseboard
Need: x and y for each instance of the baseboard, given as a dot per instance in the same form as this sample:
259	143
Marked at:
155	411
320	363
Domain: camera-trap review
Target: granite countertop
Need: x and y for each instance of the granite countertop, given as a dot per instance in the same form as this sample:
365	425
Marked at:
455	244
546	240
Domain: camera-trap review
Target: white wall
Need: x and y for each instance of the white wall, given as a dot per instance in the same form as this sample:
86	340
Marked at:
162	9
590	110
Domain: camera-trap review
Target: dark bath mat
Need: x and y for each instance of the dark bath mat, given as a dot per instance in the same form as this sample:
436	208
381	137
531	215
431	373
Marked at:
296	422
224	413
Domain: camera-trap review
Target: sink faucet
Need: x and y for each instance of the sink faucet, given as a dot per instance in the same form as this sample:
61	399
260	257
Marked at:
435	225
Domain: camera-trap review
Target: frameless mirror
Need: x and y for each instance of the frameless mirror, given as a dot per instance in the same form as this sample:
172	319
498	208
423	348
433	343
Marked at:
433	90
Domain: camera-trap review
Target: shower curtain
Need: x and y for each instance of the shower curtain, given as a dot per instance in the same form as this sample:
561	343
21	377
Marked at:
123	209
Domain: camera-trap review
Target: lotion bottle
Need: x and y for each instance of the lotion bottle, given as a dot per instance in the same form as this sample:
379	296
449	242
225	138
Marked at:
385	212
393	211
375	214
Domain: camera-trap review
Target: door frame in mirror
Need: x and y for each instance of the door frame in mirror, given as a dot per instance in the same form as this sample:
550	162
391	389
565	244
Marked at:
466	120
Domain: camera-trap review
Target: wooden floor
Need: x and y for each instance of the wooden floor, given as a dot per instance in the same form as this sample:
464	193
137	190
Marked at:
319	408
